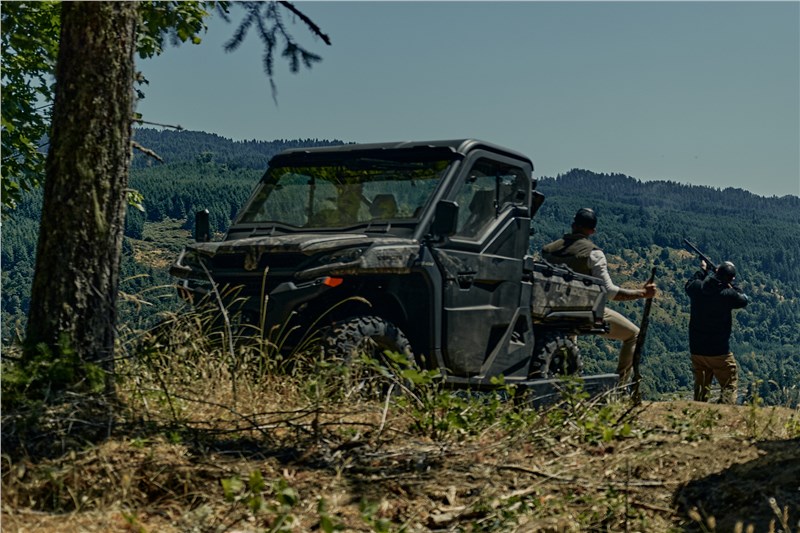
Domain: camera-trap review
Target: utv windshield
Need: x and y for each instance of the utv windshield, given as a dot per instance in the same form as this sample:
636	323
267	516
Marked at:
345	193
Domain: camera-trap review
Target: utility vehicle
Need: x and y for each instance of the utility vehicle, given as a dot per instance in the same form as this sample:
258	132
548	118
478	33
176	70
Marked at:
415	247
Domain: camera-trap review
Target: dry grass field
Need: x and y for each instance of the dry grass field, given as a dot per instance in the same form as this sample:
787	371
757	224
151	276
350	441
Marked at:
202	438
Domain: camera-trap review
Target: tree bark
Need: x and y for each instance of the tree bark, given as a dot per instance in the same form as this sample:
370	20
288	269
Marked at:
74	292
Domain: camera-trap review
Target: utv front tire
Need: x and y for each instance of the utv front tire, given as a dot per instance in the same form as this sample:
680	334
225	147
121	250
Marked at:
371	336
555	355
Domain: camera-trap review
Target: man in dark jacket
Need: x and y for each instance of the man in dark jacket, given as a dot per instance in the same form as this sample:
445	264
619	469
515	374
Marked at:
713	297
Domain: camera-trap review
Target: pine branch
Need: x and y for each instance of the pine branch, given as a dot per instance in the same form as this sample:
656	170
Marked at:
313	27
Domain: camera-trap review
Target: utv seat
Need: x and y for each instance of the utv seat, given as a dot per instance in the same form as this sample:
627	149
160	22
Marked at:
383	206
481	212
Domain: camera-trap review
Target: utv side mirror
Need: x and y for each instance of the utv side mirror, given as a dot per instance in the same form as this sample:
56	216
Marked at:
445	218
202	229
536	203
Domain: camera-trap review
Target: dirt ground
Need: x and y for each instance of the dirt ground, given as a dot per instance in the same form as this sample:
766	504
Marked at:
683	466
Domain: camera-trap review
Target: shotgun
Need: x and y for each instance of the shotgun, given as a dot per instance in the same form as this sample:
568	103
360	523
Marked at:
709	265
637	351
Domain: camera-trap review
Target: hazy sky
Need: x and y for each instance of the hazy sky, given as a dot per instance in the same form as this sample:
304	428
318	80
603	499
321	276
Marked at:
706	93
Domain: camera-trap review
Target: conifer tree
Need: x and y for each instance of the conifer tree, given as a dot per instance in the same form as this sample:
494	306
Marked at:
74	293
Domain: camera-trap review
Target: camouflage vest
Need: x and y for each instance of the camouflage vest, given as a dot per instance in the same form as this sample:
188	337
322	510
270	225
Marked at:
572	250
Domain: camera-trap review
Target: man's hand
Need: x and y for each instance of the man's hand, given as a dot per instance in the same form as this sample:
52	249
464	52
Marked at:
625	295
650	291
703	265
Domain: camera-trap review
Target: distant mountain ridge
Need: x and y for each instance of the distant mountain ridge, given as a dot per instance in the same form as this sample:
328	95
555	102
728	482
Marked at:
669	194
184	145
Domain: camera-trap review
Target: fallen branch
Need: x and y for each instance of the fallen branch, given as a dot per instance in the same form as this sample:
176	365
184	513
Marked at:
535	473
652	507
585	483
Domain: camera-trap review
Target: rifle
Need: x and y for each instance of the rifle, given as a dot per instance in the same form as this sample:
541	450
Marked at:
637	351
702	256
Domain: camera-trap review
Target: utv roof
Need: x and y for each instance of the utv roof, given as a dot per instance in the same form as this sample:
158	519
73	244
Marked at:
449	149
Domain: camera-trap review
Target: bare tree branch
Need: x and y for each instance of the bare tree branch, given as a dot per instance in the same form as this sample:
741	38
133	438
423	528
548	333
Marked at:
310	23
147	151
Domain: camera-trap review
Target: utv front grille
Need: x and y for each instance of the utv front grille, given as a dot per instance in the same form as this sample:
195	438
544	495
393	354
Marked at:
291	261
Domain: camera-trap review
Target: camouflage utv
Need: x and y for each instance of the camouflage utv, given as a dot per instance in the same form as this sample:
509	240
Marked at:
415	247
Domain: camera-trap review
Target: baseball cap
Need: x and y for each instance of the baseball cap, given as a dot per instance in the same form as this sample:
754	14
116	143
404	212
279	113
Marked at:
585	218
726	272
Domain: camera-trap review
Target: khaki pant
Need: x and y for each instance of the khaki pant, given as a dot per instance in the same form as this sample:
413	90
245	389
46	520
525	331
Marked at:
624	330
708	367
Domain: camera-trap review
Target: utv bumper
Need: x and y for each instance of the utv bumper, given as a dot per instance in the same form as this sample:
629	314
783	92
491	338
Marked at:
278	296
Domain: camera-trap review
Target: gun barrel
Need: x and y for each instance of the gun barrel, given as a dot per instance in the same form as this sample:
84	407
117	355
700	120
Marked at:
702	256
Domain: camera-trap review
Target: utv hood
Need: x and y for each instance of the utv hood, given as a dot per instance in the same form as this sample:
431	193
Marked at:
315	254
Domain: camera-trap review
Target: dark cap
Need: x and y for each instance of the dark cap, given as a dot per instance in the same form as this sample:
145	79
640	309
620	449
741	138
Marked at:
585	218
726	272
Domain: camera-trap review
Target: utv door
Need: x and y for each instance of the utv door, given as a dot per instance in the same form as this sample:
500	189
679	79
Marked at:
484	326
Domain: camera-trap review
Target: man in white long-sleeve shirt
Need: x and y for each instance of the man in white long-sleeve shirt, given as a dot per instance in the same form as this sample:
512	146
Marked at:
579	253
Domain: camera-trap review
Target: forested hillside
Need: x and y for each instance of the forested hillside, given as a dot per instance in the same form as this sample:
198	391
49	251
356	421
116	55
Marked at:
642	224
199	171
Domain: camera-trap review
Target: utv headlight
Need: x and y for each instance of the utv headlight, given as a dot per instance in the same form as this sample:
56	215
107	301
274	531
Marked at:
347	255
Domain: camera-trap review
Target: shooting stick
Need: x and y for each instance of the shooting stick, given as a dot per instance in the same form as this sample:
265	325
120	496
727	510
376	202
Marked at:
637	351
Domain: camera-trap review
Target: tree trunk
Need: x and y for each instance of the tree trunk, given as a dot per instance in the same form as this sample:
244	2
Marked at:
74	293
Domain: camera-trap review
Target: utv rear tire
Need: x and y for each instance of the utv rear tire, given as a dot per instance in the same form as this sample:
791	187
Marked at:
555	355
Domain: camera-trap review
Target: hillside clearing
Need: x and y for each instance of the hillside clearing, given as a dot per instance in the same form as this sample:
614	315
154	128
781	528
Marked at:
681	464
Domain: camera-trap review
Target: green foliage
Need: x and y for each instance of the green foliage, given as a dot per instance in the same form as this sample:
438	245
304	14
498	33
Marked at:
596	420
132	522
29	48
757	427
792	427
49	374
693	424
30	40
201	148
275	510
370	514
437	412
441	413
503	514
177	22
327	523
